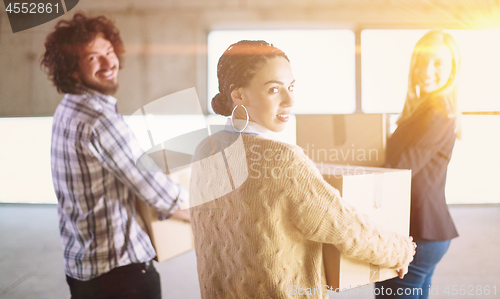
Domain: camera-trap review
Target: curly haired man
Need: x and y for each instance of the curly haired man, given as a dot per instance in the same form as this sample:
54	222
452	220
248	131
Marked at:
107	252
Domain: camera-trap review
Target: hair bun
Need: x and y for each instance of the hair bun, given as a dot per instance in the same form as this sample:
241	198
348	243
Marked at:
220	105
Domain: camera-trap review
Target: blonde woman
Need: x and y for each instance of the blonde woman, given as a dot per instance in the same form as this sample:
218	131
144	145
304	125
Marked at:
423	142
264	238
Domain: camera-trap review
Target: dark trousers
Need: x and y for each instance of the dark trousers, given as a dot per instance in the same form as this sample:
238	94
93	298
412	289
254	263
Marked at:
134	281
415	284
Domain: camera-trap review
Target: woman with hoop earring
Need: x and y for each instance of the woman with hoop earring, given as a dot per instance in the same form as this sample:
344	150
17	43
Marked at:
264	238
423	142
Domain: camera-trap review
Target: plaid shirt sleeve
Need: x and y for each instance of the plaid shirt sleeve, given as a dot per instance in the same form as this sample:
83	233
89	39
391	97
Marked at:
115	146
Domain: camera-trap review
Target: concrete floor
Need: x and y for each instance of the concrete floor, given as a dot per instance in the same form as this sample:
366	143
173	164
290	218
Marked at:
31	256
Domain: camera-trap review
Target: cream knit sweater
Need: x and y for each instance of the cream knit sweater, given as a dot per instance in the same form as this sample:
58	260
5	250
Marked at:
265	236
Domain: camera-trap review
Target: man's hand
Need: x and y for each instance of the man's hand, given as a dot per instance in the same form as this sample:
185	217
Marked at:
181	215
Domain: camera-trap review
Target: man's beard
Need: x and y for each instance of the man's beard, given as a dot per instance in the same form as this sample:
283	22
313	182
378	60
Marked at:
107	89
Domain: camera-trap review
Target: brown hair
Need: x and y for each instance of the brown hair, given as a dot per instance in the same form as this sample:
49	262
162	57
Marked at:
62	47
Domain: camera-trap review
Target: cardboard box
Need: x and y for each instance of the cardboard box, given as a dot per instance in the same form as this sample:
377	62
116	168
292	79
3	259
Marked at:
170	237
381	193
349	139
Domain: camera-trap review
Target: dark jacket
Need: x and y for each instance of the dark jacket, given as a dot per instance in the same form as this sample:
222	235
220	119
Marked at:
424	143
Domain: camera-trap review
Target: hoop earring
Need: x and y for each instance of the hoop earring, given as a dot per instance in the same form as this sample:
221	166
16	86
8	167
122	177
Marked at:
232	117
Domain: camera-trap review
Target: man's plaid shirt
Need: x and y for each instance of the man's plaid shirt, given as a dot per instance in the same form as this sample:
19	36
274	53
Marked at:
96	179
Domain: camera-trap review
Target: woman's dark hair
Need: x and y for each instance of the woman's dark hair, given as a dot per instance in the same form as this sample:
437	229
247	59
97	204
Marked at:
237	66
63	46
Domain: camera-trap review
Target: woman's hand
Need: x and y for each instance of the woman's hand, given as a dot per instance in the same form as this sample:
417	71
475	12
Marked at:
402	272
414	245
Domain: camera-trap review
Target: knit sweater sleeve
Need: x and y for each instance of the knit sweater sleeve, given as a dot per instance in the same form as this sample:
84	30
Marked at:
323	216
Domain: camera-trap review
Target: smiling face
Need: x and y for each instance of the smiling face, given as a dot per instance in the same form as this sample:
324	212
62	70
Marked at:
98	65
268	96
433	68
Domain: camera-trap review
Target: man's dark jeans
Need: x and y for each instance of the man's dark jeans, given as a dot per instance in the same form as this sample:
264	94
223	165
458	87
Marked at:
134	281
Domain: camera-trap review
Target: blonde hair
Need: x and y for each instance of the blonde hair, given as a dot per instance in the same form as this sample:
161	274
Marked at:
448	92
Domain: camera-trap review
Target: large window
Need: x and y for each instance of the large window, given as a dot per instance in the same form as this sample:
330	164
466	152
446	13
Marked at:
473	173
25	174
385	62
322	63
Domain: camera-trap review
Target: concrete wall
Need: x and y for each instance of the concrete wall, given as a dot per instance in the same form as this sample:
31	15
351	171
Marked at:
166	40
